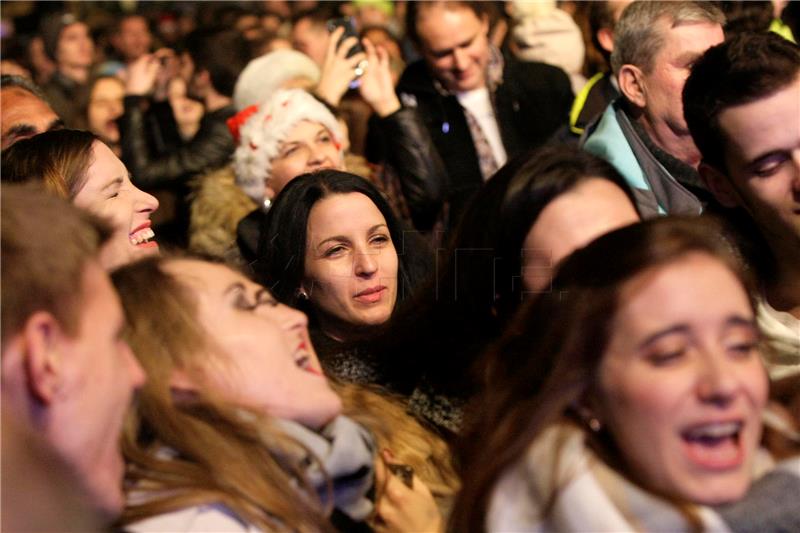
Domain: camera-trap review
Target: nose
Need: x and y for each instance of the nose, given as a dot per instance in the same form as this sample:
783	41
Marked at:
135	370
291	318
717	381
460	59
145	202
365	264
317	157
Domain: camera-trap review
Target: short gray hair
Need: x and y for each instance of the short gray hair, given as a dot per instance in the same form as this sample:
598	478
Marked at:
637	36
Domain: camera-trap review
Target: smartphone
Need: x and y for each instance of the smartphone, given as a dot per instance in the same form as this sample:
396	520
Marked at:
349	31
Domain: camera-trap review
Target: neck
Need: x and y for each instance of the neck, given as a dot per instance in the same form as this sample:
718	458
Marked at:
783	290
676	143
215	101
75	73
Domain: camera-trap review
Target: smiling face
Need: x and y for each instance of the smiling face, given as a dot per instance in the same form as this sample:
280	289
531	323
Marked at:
762	152
308	147
267	361
681	384
350	265
105	107
577	217
108	192
455	45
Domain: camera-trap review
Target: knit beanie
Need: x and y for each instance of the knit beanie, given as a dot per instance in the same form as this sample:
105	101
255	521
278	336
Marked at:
261	135
50	29
266	74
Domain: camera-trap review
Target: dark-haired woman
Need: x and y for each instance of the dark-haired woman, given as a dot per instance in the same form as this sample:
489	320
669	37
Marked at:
636	405
332	246
527	218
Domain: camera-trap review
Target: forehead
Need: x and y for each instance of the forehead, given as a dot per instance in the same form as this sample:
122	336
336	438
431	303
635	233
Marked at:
202	276
440	26
21	107
108	86
695	287
78	28
759	127
687	38
104	167
351	211
305	128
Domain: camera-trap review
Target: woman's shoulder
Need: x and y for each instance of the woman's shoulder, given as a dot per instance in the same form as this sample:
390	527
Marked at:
196	519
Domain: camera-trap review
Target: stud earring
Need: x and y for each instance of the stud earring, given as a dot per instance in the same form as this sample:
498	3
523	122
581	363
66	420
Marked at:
302	294
594	424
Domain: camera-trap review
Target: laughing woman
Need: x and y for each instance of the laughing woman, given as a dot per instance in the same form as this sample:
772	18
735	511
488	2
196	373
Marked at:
77	166
238	430
636	405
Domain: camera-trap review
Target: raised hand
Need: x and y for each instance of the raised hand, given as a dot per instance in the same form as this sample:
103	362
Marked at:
377	87
338	70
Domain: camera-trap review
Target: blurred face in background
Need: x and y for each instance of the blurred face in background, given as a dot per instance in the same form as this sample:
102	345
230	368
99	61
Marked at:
311	39
75	46
134	39
455	45
571	221
105	107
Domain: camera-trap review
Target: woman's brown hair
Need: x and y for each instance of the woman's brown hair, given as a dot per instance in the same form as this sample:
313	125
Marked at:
545	366
202	451
60	159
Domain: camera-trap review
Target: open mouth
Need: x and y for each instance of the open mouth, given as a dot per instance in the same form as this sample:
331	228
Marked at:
303	360
715	445
143	238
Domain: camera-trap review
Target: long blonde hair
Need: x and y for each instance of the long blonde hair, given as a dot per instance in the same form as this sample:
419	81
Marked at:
186	453
410	442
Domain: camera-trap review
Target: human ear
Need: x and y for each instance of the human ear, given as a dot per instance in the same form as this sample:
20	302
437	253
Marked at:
43	345
719	185
605	36
631	83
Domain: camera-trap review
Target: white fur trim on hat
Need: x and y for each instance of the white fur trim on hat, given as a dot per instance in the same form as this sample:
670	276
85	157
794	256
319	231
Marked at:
261	136
266	74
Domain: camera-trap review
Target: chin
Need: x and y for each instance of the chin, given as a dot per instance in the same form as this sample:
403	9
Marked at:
720	490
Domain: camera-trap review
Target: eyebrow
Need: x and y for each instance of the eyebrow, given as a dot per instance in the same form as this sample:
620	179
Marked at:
684	329
236	286
116	181
342	238
57	124
759	159
19	131
447	51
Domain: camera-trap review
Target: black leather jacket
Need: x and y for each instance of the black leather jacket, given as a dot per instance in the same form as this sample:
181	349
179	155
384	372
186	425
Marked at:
211	147
429	144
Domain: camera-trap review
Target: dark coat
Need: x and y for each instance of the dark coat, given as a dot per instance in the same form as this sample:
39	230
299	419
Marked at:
429	144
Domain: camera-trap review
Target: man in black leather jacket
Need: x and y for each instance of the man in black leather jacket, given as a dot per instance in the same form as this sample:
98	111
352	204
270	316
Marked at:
465	111
217	58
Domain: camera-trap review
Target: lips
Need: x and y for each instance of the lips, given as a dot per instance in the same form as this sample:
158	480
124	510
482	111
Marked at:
142	237
715	445
371	295
303	360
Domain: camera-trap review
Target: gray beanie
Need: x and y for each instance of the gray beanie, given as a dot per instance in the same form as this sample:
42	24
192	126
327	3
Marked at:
50	29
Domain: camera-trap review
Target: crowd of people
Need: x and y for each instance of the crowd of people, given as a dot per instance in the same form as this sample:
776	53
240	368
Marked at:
400	266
